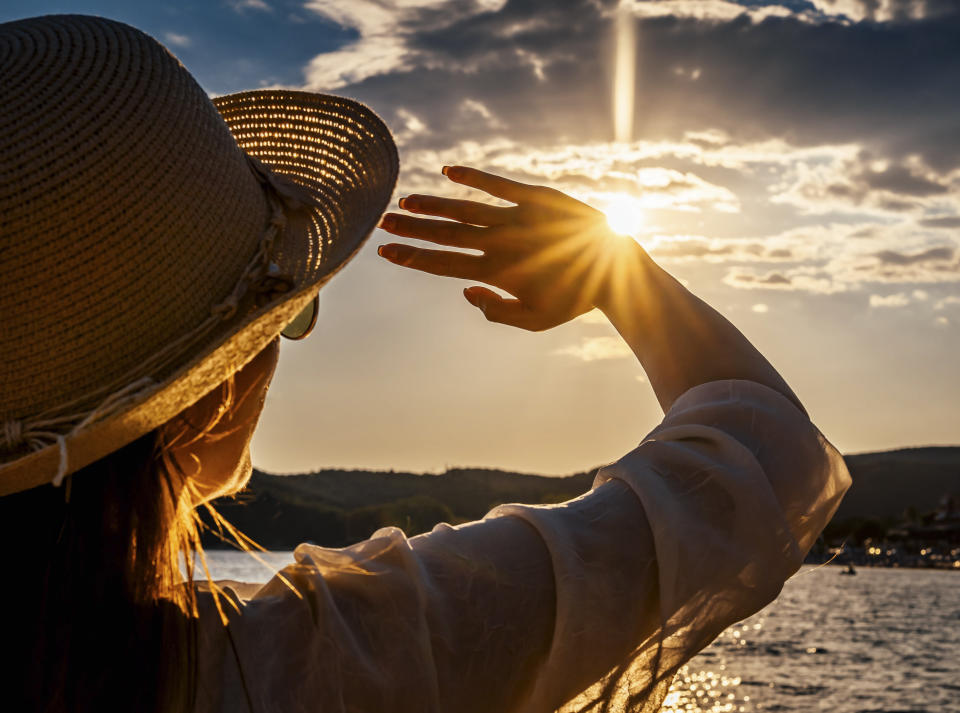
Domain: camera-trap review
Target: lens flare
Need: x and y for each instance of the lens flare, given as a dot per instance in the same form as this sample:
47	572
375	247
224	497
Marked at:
624	73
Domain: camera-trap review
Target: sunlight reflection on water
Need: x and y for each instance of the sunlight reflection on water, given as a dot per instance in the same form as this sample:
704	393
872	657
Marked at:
882	641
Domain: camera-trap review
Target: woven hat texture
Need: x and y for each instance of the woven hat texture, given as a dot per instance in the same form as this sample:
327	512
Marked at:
153	241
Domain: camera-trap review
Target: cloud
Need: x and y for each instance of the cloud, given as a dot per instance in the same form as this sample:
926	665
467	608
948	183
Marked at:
535	62
597	173
923	257
851	271
355	62
762	138
946	221
478	108
799	279
242	5
882	10
407	126
384	30
176	39
597	348
683	249
899	299
867	184
379	49
932	265
707	9
948	301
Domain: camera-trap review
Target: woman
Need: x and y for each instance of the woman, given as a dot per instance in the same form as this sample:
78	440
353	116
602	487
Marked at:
154	247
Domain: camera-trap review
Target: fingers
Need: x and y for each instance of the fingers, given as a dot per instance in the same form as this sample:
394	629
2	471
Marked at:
505	311
442	232
447	263
517	192
512	191
460	210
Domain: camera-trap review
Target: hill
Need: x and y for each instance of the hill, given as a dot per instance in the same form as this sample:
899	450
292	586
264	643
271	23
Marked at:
887	483
337	507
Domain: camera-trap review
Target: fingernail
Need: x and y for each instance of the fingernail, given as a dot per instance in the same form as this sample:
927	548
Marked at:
402	203
409	203
388	222
387	251
444	170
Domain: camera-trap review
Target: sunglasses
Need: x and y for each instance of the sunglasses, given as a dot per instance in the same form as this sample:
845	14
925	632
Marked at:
303	323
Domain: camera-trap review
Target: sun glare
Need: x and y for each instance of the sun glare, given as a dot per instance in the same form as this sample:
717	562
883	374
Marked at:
624	215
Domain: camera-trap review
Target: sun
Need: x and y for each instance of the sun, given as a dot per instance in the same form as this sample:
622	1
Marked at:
624	214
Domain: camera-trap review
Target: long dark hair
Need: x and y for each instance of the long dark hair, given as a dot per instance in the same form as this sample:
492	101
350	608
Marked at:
99	588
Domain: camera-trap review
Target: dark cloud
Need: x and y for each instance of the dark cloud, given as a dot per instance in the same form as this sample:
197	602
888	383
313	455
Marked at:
893	257
543	68
721	251
773	279
950	221
799	279
900	179
932	265
895	206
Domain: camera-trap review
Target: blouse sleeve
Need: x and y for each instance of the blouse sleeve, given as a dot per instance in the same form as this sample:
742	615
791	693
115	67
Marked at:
539	608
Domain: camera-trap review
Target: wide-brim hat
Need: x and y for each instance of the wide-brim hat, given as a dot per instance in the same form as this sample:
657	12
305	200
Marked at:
152	240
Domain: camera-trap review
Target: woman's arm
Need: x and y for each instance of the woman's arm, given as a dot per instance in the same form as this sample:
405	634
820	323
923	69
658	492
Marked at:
680	340
603	596
558	259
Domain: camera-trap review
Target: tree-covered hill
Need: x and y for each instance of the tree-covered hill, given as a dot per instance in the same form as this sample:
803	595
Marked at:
338	507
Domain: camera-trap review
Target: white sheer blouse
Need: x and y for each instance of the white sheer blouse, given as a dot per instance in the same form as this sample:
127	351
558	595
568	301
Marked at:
539	608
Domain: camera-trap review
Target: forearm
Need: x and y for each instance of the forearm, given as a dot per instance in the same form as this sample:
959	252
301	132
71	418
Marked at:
680	340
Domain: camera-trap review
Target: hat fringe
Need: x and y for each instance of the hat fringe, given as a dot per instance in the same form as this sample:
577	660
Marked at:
261	277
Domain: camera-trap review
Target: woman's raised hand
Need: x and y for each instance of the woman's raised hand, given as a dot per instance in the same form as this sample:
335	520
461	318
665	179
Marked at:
548	250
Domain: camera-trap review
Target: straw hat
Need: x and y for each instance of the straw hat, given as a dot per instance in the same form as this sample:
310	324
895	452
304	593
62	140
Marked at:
153	241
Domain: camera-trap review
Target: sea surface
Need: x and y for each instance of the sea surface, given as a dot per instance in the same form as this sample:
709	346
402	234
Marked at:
882	640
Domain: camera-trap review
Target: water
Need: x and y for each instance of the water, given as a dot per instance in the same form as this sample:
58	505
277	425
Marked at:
885	640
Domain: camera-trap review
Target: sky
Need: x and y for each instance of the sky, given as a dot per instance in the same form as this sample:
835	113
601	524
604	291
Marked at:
795	162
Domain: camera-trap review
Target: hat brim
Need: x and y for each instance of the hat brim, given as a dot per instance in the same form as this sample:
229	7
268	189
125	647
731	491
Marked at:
345	157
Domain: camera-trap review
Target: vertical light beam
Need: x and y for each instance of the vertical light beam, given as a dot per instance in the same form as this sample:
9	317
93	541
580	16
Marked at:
624	72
